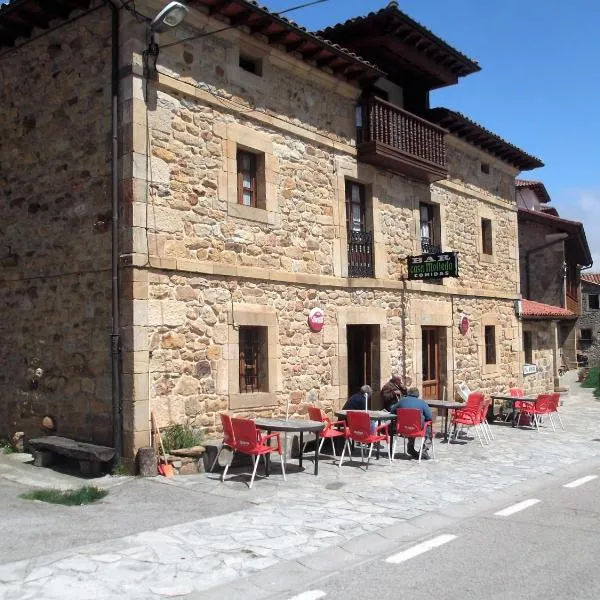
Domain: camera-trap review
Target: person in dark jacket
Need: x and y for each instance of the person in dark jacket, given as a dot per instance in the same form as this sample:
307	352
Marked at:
412	400
361	400
393	390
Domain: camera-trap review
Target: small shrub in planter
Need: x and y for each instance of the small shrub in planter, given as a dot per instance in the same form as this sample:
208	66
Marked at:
175	437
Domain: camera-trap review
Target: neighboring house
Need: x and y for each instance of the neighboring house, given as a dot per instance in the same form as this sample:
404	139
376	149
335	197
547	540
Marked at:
588	325
552	252
259	171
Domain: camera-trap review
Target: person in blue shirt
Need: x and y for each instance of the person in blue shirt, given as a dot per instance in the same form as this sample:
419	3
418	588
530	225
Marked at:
412	400
359	401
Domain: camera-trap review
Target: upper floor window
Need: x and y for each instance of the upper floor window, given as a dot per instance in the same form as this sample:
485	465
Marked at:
485	168
356	212
594	301
490	345
250	64
487	246
429	228
251	178
528	347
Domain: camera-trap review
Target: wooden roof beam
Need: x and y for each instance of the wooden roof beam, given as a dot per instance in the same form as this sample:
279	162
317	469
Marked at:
56	9
18	30
240	19
37	19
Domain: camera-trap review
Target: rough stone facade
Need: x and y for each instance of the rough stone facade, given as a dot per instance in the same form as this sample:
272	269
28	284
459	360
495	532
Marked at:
590	321
55	315
543	348
197	266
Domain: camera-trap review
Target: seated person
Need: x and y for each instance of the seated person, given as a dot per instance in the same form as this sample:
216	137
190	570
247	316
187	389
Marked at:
412	400
393	390
360	400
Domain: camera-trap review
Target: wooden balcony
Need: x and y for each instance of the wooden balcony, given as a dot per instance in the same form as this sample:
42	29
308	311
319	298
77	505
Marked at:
394	139
573	305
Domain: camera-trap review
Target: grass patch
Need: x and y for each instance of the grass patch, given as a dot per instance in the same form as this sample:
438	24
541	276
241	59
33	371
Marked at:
592	380
181	436
84	495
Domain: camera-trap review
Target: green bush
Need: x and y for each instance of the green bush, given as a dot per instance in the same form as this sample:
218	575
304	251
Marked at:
181	436
6	446
592	380
84	495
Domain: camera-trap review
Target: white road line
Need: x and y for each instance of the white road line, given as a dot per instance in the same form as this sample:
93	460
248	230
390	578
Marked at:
515	508
310	595
580	481
420	548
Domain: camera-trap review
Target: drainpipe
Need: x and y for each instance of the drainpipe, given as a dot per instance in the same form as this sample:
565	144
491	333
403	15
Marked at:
115	336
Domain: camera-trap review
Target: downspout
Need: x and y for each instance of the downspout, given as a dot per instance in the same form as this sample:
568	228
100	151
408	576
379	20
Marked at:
115	337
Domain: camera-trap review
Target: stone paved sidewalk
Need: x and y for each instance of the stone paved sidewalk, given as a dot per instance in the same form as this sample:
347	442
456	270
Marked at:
287	521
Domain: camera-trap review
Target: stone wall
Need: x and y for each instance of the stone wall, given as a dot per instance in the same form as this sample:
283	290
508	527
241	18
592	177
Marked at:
543	340
590	319
55	216
546	279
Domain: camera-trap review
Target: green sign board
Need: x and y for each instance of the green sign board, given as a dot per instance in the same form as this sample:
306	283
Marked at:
433	266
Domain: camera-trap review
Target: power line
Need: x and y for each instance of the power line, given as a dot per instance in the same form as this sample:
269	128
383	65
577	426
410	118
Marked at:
275	14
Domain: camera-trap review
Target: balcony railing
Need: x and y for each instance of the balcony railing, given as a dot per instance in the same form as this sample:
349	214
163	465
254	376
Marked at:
427	247
395	139
360	254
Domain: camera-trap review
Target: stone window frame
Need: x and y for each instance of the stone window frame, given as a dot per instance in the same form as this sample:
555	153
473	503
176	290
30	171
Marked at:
366	175
589	298
489	320
240	76
247	139
253	316
440	226
486	213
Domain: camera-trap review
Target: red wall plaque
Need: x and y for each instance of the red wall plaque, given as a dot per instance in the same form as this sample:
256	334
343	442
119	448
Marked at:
463	324
316	319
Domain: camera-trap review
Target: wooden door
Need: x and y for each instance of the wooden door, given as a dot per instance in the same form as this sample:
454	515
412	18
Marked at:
431	363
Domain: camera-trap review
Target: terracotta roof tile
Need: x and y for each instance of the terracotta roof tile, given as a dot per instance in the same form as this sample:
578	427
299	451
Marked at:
532	309
591	278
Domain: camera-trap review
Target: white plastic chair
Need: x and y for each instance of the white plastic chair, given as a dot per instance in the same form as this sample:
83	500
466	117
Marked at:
463	390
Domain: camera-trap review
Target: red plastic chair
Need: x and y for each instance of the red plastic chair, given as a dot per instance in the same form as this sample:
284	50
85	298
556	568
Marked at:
554	410
249	440
470	415
359	430
228	440
408	425
542	406
329	431
519	393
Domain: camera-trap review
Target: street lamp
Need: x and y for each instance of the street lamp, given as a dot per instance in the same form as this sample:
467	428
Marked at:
170	16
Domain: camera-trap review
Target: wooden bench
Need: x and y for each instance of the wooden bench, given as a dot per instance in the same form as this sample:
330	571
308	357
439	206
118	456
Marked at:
90	456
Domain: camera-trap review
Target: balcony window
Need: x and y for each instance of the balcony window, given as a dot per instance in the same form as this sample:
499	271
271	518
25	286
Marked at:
429	228
360	241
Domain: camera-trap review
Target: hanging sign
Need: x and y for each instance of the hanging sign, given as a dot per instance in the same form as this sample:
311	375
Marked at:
463	324
433	266
316	319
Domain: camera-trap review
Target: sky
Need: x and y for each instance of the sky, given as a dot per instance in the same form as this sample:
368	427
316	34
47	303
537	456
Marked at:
539	87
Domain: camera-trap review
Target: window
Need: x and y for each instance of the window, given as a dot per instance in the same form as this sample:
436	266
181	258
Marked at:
253	360
247	178
594	301
587	335
486	236
252	65
428	228
485	168
490	345
528	347
355	207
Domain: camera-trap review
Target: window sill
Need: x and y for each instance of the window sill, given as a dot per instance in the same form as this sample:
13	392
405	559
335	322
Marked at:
250	213
487	258
489	369
252	400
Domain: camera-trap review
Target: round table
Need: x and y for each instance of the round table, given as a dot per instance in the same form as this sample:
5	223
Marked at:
300	426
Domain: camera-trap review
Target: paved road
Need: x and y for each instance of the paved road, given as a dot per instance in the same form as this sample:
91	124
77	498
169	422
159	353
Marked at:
544	545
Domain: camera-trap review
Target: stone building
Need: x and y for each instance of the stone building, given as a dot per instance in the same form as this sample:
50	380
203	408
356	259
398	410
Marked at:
588	324
552	252
167	256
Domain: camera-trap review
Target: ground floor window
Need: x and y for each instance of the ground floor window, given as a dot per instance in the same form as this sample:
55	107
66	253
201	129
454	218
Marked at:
254	362
490	345
528	347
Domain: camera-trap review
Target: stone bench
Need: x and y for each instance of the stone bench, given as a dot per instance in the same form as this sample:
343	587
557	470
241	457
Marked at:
90	456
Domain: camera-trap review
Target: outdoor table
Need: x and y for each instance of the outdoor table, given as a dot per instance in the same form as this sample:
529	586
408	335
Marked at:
446	408
375	415
512	400
293	426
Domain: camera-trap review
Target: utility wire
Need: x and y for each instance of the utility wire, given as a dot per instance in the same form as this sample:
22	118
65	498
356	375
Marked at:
275	14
